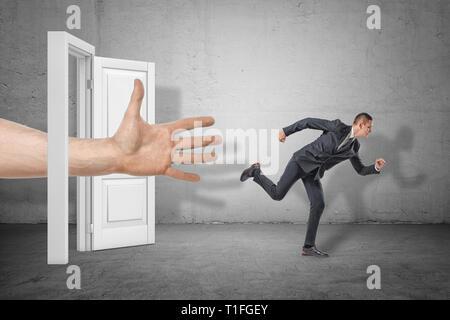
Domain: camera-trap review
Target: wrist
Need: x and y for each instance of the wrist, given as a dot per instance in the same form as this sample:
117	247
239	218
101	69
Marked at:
116	156
94	157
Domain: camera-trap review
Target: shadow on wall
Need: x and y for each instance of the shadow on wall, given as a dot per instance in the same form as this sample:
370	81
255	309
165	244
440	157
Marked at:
174	198
353	188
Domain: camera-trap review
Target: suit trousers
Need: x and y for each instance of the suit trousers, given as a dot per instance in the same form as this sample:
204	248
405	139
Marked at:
291	174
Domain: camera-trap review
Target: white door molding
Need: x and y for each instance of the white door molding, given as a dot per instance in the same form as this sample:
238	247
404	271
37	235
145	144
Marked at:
59	45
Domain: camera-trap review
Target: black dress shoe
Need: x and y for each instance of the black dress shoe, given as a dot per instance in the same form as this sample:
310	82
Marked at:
313	251
249	172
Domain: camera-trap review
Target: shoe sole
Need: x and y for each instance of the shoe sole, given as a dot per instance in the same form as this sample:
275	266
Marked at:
314	255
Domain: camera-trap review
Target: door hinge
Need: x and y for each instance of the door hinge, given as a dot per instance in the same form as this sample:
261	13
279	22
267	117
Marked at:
91	228
89	84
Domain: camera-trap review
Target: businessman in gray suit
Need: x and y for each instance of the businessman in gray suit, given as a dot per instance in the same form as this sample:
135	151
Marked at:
337	143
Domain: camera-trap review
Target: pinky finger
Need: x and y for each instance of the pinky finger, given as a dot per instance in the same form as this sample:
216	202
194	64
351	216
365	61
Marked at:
180	175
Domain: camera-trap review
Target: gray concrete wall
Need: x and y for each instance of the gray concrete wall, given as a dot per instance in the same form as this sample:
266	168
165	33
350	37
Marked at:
23	90
263	65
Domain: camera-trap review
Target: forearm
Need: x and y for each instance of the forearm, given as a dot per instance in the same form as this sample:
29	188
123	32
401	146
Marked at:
93	157
297	126
370	169
23	153
361	168
311	123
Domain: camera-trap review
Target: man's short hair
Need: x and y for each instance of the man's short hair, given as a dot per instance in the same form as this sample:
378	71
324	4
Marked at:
365	117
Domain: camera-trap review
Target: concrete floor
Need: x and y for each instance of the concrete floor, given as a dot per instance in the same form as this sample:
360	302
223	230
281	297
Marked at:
236	261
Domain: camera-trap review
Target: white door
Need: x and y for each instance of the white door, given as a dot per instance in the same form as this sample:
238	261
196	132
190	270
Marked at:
123	206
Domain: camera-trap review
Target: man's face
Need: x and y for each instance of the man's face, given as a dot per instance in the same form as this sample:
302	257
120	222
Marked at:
365	128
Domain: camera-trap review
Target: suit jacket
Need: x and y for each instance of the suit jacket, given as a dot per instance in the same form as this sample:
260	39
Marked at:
322	154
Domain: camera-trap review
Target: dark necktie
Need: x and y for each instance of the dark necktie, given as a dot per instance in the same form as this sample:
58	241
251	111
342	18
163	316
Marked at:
347	139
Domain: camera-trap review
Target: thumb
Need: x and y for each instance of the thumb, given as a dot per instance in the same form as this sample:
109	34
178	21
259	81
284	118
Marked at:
134	107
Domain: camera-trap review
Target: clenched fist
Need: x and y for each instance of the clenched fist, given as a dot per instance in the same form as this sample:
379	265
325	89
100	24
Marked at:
380	163
281	136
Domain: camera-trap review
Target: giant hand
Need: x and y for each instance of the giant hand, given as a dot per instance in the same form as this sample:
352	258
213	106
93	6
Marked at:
148	150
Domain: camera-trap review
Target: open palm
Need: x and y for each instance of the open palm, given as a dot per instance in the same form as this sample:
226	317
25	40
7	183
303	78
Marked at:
148	150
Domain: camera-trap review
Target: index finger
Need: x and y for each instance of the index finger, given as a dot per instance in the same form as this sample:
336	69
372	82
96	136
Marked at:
191	123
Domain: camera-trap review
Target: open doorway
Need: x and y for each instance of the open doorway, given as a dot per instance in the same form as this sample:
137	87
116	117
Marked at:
113	211
73	132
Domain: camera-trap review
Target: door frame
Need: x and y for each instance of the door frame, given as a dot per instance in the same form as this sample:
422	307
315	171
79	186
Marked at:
60	45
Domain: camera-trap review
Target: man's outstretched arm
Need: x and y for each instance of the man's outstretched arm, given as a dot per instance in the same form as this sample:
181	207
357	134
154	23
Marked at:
311	123
365	170
137	148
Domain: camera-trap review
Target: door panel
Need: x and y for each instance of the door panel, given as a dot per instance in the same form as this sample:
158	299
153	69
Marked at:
115	210
123	206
